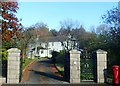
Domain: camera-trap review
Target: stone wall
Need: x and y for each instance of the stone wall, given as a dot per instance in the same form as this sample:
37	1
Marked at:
13	72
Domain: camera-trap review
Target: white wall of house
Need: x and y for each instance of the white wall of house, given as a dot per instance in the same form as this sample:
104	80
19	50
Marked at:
43	44
47	51
44	53
52	46
31	54
55	46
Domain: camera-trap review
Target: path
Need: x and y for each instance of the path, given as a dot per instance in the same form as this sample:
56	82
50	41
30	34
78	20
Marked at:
42	72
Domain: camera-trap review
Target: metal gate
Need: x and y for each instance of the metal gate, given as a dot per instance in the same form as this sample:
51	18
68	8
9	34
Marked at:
87	65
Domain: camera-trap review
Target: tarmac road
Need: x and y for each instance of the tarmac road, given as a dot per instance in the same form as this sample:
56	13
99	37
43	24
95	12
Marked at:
43	72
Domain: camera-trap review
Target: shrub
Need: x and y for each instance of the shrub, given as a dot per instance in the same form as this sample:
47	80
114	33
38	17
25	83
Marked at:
4	55
4	58
58	57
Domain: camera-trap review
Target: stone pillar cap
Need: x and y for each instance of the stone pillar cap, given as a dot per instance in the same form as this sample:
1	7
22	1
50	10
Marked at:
100	51
13	50
74	51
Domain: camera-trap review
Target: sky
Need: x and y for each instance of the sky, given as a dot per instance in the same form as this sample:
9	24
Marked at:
87	14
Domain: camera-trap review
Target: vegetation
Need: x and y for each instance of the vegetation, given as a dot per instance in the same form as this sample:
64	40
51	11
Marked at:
9	22
112	37
60	68
106	37
9	26
4	55
59	60
58	57
27	62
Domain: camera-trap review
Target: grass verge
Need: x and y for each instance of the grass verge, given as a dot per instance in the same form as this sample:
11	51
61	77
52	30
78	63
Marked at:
27	62
60	68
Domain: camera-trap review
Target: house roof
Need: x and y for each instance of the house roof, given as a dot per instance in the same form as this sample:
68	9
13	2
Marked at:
53	39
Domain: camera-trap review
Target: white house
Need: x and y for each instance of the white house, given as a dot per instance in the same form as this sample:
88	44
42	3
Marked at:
49	48
45	49
42	48
55	46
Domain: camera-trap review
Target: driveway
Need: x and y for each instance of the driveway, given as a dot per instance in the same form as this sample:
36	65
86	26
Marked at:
42	72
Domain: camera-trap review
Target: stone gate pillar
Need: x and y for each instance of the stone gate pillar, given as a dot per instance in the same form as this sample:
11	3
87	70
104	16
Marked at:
13	68
74	66
101	65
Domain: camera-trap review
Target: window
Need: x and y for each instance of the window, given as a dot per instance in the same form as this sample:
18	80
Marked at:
46	45
42	52
52	43
50	52
40	44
